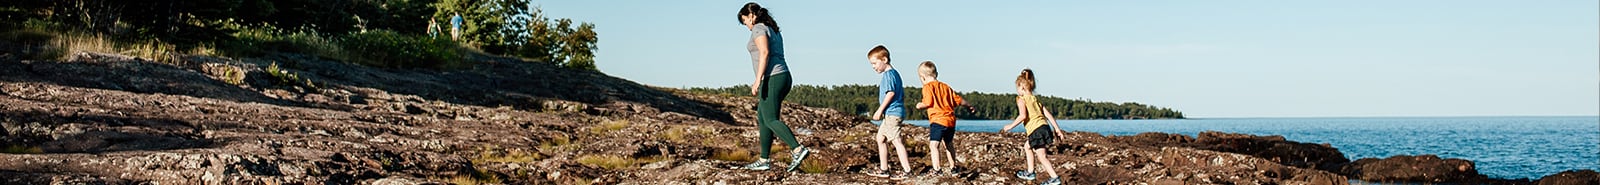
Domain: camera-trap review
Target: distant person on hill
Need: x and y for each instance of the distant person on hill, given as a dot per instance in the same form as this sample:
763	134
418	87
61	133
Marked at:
1035	115
455	27
940	103
433	27
771	85
891	109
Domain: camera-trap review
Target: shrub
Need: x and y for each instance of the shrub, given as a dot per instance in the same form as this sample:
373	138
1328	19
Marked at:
42	44
253	41
35	45
233	75
284	77
21	149
383	48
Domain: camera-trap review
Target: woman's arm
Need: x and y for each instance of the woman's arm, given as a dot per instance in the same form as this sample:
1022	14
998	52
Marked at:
761	64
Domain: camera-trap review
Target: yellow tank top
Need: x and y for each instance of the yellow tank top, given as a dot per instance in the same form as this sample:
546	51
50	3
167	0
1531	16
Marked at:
1035	112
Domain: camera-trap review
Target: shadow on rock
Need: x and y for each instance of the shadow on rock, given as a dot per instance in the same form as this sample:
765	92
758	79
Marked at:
97	133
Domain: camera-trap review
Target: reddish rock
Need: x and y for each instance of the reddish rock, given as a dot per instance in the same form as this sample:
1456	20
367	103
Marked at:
1422	168
1572	177
1274	148
115	120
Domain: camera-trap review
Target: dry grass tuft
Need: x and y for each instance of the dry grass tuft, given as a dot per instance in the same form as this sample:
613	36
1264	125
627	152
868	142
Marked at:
733	155
608	126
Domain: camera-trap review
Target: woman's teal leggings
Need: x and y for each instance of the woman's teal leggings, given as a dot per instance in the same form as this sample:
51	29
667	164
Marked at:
776	88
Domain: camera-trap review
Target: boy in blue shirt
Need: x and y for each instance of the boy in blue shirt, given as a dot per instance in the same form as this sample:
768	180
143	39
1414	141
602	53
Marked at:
891	109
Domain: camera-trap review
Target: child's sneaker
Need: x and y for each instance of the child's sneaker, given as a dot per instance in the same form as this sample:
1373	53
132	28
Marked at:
1052	181
760	164
1025	175
935	172
798	155
899	176
879	173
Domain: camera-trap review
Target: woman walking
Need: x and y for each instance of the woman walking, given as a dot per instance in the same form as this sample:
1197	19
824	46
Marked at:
771	85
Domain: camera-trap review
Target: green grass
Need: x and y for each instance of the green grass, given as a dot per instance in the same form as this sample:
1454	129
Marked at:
376	48
22	149
51	49
58	45
383	48
233	75
289	78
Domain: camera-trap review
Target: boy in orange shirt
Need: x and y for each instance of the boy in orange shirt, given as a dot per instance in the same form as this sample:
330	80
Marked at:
940	102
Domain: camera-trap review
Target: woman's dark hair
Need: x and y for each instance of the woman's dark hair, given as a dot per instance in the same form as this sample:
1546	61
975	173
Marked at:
761	15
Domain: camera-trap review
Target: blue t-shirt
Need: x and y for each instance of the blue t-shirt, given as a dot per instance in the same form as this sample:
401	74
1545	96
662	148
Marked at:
891	83
455	22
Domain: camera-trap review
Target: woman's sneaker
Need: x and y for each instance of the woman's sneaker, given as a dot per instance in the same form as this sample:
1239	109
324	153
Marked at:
1025	175
879	173
799	154
1052	181
760	164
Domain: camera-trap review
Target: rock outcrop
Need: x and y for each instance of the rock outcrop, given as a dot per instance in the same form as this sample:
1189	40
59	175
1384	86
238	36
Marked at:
1433	169
1572	177
1422	168
100	118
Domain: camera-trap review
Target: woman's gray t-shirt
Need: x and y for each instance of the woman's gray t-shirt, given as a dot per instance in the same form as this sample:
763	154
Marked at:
775	62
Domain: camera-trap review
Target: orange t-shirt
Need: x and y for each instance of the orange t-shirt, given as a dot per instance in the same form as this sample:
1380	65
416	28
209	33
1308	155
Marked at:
941	103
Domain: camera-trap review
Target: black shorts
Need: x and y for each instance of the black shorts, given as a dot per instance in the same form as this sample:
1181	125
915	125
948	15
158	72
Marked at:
941	133
1040	138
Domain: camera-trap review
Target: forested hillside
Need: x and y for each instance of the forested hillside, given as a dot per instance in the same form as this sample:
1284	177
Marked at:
861	99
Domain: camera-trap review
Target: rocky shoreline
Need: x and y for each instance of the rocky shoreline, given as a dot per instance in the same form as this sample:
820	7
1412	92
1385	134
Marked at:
111	119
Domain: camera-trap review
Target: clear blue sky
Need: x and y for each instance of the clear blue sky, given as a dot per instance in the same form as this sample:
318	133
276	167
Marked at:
1255	58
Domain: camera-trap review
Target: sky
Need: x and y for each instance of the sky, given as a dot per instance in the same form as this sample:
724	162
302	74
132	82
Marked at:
1208	59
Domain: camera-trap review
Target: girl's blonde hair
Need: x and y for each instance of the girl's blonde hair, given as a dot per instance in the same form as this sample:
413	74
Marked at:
1025	79
927	69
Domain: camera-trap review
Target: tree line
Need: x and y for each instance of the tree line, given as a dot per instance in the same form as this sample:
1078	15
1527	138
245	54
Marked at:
499	27
863	99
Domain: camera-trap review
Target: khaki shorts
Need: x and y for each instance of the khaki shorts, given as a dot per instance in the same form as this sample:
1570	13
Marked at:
890	128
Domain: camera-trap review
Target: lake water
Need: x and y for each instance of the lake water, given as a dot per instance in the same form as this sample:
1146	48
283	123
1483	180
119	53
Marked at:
1502	147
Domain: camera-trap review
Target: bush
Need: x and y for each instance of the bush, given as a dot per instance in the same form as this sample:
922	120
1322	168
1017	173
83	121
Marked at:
260	40
22	149
34	44
284	77
389	49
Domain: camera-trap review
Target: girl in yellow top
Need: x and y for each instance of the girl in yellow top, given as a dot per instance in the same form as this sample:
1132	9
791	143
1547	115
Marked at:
1035	115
